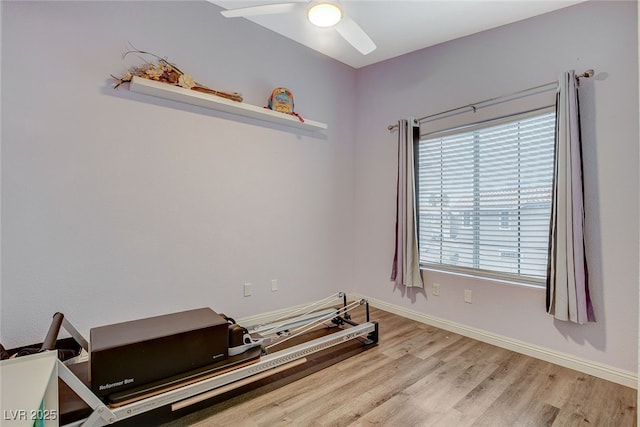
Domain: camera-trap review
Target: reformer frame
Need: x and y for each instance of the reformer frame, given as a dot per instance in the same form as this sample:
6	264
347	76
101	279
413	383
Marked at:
269	363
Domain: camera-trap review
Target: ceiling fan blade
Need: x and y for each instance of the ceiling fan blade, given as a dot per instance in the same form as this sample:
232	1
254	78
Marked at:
267	9
355	35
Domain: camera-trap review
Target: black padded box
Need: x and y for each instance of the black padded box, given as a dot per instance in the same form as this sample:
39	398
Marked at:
131	354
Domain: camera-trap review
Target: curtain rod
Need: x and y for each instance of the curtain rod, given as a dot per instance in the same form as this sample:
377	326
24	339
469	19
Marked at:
474	106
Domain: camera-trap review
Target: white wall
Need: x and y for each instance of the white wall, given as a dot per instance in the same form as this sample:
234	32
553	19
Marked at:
117	206
598	35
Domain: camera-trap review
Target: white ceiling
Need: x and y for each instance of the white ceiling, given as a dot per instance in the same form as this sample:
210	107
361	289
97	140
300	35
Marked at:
396	26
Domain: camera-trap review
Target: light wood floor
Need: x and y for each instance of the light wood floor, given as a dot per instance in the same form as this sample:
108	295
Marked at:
419	375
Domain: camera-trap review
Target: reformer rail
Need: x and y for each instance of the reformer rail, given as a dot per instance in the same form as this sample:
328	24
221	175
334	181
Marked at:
267	365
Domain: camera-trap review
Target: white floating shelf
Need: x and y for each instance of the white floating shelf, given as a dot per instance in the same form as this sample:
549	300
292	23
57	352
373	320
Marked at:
188	96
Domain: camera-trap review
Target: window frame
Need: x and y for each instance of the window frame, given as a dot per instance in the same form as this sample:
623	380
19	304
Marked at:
471	271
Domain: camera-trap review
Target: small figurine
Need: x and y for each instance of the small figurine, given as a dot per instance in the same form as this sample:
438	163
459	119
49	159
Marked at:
281	100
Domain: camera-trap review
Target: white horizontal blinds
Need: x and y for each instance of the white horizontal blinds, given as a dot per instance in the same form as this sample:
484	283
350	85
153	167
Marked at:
484	198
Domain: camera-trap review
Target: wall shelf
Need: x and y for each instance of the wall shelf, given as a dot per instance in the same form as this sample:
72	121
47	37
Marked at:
187	96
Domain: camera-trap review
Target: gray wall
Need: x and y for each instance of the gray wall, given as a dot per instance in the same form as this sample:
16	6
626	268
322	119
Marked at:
118	206
599	35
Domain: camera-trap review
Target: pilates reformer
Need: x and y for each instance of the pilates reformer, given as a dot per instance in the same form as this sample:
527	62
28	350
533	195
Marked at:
262	351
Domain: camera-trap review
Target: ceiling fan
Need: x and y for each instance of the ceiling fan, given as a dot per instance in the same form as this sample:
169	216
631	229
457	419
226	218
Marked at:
322	14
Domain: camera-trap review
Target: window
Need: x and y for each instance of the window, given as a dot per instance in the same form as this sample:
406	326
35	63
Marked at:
504	220
484	197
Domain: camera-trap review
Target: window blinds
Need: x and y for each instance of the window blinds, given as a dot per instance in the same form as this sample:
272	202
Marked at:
484	197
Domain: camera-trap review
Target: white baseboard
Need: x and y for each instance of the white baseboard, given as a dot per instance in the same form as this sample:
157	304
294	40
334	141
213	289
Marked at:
276	315
271	316
619	376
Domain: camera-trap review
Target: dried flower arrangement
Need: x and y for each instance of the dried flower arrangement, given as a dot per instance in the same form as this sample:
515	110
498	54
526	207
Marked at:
163	71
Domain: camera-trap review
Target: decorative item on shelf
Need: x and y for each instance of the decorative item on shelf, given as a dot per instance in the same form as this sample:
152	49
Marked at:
281	100
163	71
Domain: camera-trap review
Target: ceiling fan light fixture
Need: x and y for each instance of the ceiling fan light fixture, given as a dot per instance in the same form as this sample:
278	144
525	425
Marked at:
324	14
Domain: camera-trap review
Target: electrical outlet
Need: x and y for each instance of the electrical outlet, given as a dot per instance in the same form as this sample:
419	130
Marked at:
436	289
247	289
274	285
467	296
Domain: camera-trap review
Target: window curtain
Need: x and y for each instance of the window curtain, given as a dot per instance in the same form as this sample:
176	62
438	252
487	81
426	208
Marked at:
567	277
406	260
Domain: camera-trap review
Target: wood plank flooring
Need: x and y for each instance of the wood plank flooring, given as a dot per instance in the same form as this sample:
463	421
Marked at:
419	375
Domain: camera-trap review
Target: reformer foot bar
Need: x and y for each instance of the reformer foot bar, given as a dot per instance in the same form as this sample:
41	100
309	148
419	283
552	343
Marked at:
270	362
